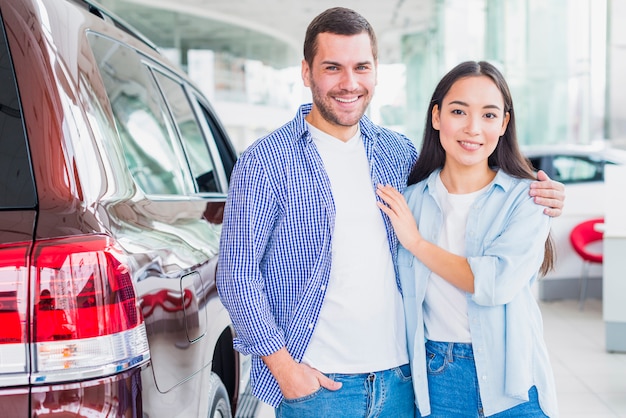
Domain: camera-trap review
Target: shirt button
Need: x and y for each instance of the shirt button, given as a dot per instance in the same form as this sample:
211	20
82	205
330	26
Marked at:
484	377
323	287
310	326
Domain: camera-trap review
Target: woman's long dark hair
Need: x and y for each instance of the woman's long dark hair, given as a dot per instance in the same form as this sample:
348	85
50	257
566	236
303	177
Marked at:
507	155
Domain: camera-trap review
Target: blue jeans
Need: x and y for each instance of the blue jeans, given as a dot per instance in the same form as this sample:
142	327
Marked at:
388	393
453	385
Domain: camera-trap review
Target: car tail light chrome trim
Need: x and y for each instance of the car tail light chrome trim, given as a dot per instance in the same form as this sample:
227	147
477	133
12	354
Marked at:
90	357
13	360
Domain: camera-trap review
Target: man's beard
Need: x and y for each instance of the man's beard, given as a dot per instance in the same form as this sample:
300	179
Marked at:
324	104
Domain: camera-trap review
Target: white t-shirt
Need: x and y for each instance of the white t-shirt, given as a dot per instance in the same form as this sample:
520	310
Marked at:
445	306
361	324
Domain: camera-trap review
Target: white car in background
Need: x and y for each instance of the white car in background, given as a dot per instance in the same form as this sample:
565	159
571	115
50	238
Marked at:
581	169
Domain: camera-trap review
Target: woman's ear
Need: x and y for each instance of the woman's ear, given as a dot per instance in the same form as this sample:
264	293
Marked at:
435	117
505	123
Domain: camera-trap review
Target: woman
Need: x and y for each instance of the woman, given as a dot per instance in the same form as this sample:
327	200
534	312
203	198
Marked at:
473	242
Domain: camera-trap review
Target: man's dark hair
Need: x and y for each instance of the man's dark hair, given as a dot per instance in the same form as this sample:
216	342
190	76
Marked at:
338	21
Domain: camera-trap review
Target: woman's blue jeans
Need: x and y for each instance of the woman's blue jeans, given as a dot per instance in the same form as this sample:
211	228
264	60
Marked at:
453	385
385	394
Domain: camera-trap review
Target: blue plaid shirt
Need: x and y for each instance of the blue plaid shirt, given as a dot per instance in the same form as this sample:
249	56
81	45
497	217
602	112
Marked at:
275	249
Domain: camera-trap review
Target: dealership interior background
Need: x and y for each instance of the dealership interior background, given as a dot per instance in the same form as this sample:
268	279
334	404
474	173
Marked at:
564	60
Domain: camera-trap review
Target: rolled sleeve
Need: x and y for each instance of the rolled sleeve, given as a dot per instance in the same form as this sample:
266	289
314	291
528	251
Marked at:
514	254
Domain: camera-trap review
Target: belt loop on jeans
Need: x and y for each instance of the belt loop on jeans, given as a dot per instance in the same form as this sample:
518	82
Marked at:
449	355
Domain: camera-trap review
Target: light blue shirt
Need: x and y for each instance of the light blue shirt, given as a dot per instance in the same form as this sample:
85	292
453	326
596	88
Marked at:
505	237
275	250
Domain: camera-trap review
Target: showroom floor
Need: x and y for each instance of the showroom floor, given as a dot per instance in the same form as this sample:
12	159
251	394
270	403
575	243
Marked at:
590	382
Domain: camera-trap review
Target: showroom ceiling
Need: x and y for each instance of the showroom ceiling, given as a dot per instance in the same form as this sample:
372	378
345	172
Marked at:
271	30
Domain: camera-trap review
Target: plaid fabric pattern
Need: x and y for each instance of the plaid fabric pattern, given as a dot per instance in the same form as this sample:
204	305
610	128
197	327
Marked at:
275	250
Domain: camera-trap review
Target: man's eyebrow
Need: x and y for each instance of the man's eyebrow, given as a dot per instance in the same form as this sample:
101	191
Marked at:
329	62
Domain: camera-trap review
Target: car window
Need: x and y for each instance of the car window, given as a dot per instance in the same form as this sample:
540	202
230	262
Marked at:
17	188
538	164
196	149
227	153
149	139
577	169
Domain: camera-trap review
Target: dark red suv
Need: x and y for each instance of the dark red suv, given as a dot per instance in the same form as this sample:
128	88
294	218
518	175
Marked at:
113	176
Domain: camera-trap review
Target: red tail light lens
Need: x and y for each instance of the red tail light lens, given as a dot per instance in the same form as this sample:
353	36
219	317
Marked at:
13	293
86	317
82	290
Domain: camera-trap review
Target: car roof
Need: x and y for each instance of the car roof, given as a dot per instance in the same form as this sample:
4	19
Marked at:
98	9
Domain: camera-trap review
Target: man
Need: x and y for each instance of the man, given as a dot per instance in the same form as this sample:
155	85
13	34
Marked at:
306	259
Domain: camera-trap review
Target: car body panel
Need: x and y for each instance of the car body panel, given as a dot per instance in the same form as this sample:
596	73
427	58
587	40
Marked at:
83	186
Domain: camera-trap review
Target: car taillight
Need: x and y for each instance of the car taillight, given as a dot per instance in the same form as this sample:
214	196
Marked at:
13	316
86	320
13	291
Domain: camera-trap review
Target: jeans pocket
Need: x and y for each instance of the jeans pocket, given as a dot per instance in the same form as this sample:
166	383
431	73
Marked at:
304	398
403	373
435	362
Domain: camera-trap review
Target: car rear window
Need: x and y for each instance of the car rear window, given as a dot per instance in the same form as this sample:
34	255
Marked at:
17	188
578	169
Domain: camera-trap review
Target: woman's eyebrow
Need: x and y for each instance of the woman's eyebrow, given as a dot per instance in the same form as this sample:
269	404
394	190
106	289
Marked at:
462	103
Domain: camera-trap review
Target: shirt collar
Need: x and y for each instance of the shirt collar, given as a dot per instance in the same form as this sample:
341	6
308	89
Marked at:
502	180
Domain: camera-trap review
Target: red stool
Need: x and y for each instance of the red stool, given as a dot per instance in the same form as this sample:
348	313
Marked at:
581	236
